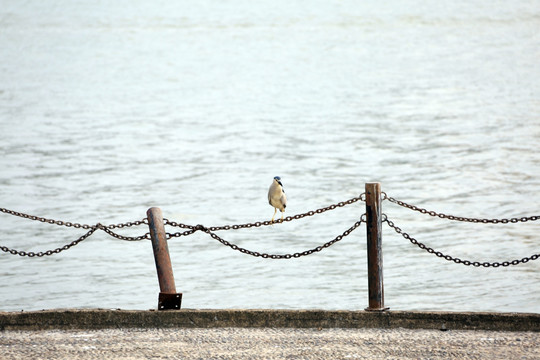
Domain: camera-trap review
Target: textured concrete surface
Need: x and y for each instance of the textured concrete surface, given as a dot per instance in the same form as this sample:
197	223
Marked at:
268	343
188	318
267	334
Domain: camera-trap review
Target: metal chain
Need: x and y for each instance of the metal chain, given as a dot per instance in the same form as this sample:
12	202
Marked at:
122	237
459	218
192	229
279	256
70	224
176	224
267	222
50	252
99	226
179	234
128	224
455	259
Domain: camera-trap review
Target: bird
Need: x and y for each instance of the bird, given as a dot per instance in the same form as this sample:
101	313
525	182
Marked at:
276	197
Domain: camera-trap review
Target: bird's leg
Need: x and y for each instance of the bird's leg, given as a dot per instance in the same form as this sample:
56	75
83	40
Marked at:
275	211
282	216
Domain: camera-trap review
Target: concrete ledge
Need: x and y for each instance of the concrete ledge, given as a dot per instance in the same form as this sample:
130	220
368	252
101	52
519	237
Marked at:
187	318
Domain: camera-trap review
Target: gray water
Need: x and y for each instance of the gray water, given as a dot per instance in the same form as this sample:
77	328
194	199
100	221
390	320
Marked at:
109	108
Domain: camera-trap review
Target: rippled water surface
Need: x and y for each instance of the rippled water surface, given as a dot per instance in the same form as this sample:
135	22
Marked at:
107	109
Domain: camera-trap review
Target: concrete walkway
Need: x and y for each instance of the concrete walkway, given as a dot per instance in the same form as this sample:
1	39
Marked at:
267	334
268	343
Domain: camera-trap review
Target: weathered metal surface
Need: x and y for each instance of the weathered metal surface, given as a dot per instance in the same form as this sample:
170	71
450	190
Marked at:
374	247
168	298
169	301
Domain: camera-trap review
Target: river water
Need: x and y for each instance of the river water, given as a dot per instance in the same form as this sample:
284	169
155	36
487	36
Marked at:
109	108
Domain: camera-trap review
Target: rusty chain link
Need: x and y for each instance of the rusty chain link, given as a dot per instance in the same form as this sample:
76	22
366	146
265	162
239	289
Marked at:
98	226
278	256
71	224
122	237
458	218
210	231
108	229
92	228
264	223
179	234
456	259
50	252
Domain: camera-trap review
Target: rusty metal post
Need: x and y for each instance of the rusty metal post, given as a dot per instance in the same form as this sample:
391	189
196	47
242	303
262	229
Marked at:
168	297
374	247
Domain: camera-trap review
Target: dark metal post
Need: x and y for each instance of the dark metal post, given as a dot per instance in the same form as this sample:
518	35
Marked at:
374	247
168	297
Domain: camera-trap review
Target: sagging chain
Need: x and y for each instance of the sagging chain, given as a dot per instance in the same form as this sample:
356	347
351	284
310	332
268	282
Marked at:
108	229
92	228
279	256
122	237
456	259
210	231
50	252
458	218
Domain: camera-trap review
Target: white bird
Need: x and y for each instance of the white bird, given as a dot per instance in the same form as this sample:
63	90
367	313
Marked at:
276	197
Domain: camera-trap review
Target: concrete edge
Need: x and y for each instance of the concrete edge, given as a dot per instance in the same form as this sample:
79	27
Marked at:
190	318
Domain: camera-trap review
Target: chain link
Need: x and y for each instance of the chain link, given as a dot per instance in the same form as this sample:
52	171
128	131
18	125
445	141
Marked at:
92	229
122	237
85	236
267	222
278	256
108	229
459	218
50	252
128	224
455	259
179	234
71	224
210	231
176	224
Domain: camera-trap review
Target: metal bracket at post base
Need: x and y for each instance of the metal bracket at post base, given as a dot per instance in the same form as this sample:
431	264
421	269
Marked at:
169	301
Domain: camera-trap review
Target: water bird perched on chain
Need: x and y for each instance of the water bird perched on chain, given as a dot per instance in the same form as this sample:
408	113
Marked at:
276	197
